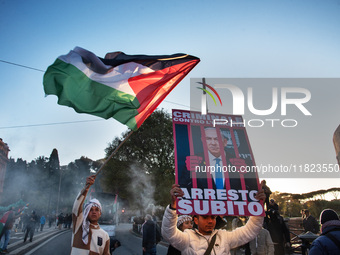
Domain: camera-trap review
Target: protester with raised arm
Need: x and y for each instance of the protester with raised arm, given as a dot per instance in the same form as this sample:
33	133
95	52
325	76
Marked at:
87	236
197	241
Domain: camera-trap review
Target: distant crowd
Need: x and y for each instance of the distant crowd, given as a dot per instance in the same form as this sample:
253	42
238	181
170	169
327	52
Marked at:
16	220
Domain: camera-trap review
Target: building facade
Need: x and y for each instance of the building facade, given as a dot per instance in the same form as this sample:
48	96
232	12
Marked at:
4	149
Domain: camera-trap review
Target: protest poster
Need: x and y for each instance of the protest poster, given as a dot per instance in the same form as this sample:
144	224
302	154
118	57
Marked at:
215	166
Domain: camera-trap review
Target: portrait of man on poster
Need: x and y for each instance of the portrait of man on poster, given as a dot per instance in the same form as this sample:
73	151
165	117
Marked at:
214	147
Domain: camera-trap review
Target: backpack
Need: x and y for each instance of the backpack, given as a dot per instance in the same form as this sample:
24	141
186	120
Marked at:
333	238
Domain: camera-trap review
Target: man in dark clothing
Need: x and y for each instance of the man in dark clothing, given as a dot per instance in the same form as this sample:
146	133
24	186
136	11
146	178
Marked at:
278	231
114	244
274	207
267	191
32	221
310	223
25	220
149	236
329	241
60	220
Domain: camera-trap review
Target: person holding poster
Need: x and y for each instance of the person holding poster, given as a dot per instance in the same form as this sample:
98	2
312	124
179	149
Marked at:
198	241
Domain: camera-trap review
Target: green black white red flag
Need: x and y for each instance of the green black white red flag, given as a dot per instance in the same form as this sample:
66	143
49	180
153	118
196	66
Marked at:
126	87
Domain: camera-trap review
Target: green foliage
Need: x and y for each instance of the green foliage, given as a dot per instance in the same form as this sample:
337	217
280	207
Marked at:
290	205
116	178
313	194
142	170
81	168
37	182
13	185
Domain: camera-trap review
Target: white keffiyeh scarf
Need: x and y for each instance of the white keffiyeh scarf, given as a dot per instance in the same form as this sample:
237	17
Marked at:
86	222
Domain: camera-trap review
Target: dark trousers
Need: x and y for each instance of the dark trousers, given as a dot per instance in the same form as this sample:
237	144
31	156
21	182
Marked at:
30	231
151	251
305	245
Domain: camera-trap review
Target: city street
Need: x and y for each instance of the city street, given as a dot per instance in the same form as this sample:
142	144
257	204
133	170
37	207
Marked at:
132	244
58	242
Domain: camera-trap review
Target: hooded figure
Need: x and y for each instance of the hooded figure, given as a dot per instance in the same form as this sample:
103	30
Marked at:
329	240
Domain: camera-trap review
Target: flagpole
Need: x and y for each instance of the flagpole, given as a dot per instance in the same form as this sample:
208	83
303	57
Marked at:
113	153
108	159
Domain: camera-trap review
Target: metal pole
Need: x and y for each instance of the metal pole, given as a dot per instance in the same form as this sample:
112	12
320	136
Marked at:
112	154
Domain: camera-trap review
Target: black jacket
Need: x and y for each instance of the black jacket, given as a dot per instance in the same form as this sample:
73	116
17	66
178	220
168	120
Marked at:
149	234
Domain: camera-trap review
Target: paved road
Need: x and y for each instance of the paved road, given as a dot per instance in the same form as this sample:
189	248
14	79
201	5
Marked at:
55	242
132	244
18	247
59	244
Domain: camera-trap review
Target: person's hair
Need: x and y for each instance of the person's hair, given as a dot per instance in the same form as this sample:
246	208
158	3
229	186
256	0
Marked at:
148	217
223	135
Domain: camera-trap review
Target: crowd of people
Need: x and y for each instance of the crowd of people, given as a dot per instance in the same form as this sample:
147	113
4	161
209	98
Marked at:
185	234
86	233
256	235
17	219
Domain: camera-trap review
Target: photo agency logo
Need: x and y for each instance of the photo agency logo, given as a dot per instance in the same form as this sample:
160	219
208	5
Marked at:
260	102
204	96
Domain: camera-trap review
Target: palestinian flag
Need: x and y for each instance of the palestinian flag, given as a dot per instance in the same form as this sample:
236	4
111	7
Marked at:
126	87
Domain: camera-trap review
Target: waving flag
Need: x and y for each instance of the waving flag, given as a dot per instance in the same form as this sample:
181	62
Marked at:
126	87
